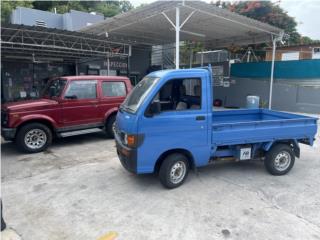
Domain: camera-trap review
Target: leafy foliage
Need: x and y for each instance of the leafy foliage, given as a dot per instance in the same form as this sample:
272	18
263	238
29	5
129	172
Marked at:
107	8
268	12
7	6
188	48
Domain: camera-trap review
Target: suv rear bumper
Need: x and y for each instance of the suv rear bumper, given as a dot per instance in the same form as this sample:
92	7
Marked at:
127	156
8	133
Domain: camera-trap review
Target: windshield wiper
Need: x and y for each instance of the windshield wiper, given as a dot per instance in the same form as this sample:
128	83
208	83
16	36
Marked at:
125	108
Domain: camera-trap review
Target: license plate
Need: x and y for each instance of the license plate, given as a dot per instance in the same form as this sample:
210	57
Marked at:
245	153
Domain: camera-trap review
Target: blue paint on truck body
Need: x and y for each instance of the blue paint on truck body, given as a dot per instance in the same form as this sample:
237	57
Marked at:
216	134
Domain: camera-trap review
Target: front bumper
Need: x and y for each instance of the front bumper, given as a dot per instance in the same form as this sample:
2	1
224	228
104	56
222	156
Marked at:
8	133
127	156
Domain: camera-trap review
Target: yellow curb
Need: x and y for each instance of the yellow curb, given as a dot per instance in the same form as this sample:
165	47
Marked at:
109	236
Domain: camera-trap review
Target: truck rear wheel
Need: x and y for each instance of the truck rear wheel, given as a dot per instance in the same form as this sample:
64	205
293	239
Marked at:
33	137
110	126
280	159
174	170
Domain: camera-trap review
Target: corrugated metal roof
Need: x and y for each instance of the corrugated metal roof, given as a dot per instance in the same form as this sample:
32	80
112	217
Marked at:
213	26
27	42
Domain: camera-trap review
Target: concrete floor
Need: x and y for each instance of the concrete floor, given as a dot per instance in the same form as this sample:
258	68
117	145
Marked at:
78	190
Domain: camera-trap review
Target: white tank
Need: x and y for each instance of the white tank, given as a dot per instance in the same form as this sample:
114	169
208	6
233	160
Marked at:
253	102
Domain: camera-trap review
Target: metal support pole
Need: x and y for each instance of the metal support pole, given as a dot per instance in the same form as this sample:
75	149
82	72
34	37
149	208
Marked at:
274	40
108	65
77	69
177	26
248	57
191	57
128	66
201	59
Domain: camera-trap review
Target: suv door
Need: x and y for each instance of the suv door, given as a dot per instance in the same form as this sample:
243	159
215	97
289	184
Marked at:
113	94
80	103
181	124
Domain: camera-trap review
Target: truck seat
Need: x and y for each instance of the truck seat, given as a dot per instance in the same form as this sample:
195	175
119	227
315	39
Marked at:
181	106
194	106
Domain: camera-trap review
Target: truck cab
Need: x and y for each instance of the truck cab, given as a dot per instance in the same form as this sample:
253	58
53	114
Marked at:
167	125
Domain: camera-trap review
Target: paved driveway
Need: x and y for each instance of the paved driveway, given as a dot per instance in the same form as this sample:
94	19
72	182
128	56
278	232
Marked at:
78	190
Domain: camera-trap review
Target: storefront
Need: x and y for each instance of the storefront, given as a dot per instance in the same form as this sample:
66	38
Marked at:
25	80
30	56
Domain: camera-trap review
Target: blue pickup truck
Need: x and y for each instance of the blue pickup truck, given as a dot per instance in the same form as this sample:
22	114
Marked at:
167	126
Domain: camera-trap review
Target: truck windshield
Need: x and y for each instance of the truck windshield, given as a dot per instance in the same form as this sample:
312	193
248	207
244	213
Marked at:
138	94
54	88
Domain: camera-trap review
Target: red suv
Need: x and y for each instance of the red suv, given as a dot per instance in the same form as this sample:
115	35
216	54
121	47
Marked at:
69	106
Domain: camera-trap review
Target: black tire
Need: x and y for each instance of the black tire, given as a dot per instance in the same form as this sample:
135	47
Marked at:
23	131
109	126
167	166
3	223
274	155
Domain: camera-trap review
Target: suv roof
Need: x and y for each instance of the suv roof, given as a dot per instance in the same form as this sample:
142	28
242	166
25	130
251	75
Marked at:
94	77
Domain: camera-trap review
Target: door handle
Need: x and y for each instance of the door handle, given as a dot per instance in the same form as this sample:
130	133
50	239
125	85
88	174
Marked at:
95	104
200	118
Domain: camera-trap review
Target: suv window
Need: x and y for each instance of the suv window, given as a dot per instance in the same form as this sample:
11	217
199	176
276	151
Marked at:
113	89
84	89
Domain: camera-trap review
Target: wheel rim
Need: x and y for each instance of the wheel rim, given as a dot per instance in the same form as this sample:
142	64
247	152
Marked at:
282	161
177	172
114	127
35	138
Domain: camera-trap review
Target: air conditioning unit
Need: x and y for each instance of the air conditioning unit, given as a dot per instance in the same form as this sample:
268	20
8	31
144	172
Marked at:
316	53
41	23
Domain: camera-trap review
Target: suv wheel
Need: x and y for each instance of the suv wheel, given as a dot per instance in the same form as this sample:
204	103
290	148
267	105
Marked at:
110	126
33	137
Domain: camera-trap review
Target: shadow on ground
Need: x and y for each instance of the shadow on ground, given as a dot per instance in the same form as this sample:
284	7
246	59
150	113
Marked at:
9	148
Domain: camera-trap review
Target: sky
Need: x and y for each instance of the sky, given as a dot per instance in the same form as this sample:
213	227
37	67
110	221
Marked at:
306	13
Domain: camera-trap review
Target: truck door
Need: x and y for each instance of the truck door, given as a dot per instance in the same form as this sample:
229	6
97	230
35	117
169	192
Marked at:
181	124
80	103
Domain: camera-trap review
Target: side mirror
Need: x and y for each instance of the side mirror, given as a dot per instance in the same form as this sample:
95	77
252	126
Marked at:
154	109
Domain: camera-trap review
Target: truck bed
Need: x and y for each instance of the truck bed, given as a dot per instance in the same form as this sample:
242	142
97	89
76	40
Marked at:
260	125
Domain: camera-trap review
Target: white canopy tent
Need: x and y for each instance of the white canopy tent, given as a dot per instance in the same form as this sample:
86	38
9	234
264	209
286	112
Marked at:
164	22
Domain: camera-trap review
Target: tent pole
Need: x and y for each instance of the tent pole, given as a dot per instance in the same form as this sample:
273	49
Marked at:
77	69
177	26
108	66
191	57
274	40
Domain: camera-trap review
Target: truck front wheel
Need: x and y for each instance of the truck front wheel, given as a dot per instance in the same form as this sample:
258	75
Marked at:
174	170
33	137
280	159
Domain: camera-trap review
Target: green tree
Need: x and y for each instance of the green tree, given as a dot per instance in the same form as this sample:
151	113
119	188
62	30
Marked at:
307	40
8	6
107	8
189	48
268	12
